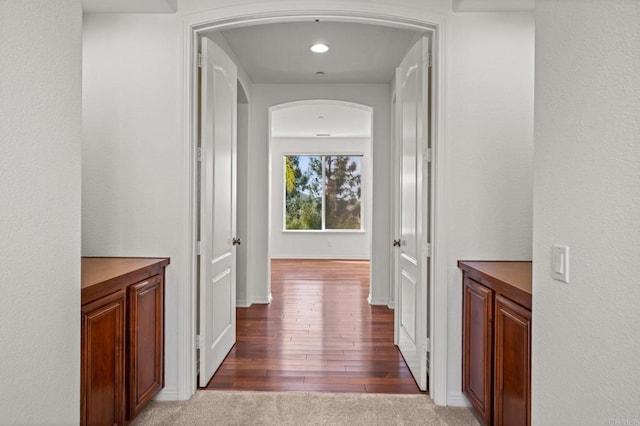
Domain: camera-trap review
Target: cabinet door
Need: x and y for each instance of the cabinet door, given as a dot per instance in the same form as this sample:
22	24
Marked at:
477	346
102	361
145	342
512	404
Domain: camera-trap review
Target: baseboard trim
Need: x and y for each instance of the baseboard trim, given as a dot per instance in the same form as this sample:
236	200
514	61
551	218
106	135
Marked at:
457	400
391	305
242	303
321	257
262	300
168	394
377	302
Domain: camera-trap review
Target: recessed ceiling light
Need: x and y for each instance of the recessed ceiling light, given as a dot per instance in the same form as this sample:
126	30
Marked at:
321	116
320	73
319	48
323	134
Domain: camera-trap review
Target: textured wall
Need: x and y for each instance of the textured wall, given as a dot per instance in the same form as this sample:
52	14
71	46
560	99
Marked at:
586	334
488	143
190	6
489	151
40	131
133	194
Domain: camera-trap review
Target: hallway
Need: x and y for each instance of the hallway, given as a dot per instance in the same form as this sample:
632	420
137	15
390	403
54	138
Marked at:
318	334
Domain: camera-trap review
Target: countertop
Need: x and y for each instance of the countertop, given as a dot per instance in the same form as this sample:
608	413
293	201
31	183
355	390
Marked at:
511	278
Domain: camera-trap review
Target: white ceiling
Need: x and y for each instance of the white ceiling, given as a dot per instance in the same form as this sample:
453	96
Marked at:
279	53
337	121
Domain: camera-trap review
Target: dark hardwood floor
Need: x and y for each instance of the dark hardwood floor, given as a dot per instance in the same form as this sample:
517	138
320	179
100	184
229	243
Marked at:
318	334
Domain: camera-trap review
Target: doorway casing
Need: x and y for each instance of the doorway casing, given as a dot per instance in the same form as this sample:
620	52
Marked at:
291	11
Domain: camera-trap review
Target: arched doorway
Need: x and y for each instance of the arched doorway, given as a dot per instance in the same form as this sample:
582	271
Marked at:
320	131
349	12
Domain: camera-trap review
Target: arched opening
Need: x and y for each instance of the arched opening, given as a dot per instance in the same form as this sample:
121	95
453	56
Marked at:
316	212
235	18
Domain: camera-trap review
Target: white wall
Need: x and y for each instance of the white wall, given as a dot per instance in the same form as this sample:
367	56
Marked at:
489	97
586	334
376	96
489	151
40	130
133	194
323	244
242	265
191	6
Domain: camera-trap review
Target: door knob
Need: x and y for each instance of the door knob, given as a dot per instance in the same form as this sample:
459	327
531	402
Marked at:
396	243
236	241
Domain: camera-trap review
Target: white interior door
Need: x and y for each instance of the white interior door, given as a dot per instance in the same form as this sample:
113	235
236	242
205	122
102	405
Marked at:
217	293
412	211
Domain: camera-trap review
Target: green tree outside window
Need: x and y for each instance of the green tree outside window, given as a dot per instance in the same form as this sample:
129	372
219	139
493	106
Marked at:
313	181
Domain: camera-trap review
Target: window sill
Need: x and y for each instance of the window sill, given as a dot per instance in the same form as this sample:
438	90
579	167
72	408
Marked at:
323	231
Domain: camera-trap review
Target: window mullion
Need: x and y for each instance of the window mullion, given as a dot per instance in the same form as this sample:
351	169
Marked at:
324	194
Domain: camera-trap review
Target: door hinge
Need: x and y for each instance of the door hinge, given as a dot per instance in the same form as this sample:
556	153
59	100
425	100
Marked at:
429	60
199	59
427	250
198	154
198	342
428	155
199	248
426	346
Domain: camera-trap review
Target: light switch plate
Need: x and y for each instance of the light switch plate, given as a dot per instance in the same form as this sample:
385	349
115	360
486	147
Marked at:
560	263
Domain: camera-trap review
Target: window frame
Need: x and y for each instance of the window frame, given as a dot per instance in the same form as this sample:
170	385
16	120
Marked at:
322	154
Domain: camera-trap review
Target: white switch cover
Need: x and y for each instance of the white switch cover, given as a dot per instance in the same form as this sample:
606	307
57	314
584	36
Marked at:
560	263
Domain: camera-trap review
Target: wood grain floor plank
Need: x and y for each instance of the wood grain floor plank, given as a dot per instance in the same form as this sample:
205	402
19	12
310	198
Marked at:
318	334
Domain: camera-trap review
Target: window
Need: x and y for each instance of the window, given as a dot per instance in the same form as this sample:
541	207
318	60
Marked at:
323	192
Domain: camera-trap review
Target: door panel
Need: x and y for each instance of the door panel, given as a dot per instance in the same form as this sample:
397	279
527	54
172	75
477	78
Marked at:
408	292
512	376
145	342
477	323
412	211
217	208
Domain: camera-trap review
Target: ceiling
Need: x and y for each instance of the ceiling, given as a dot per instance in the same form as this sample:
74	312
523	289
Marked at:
358	53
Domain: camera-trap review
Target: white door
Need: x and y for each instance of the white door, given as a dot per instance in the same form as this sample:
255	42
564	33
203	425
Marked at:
217	209
412	211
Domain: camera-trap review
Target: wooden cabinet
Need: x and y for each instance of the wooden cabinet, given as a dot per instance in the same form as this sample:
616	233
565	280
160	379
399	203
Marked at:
478	343
102	360
512	405
496	340
145	343
122	348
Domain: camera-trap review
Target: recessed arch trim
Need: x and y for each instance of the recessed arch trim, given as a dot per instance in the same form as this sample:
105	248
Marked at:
338	118
335	102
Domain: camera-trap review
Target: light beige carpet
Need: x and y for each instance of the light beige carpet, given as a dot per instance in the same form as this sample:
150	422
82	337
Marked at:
299	408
